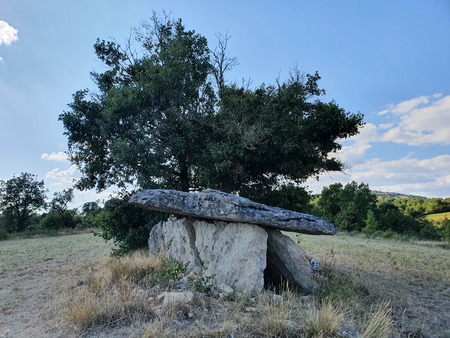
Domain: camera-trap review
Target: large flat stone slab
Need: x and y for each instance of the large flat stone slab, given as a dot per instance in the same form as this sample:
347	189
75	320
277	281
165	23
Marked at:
217	205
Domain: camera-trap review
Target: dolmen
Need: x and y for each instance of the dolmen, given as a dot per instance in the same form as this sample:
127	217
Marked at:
235	241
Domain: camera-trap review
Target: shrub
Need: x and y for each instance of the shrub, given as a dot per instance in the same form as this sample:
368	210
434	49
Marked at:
3	232
127	225
428	230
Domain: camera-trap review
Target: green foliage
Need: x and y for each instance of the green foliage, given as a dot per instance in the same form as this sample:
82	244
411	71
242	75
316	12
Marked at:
158	121
90	208
20	198
54	220
288	197
390	217
371	223
355	208
444	231
428	230
202	282
275	131
170	272
148	121
58	206
346	206
51	221
3	232
126	225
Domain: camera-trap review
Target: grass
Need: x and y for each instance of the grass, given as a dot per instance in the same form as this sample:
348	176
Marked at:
438	217
377	287
414	276
119	294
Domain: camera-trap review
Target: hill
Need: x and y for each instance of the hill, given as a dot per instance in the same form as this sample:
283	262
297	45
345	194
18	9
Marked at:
397	195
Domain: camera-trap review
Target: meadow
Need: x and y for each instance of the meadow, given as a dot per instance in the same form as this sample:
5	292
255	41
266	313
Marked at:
56	286
438	217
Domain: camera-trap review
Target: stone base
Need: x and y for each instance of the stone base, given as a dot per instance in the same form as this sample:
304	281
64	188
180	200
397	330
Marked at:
241	255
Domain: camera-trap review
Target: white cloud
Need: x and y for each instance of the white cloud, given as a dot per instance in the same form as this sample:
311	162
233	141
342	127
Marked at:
354	149
420	121
407	106
59	156
424	177
8	34
63	178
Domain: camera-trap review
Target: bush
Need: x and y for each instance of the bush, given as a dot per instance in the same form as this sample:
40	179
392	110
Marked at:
428	230
50	221
444	231
3	232
128	226
56	221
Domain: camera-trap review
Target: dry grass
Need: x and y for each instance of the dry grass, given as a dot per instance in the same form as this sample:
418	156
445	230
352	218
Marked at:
380	323
324	319
110	297
113	294
414	277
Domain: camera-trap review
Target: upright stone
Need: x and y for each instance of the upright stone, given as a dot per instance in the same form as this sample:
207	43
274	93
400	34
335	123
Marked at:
233	254
287	262
176	240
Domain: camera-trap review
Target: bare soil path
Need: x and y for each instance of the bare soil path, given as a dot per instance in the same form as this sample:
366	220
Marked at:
32	271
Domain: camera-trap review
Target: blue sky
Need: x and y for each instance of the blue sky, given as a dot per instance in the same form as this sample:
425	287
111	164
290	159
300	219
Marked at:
388	59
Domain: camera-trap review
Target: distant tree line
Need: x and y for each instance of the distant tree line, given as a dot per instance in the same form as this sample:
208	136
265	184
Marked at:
25	208
355	208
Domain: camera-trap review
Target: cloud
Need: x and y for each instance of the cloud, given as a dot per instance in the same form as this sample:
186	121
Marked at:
63	178
421	121
354	149
423	177
418	122
59	156
8	34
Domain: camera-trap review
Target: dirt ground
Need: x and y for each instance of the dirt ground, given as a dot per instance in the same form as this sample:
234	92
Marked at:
32	271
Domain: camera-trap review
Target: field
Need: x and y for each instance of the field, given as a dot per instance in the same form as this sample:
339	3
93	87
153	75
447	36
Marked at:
438	217
35	274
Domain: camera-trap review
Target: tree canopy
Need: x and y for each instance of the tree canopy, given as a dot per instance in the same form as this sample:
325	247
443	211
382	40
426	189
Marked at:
20	197
165	116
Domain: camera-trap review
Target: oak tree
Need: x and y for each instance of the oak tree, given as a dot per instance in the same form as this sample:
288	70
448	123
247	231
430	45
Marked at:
164	115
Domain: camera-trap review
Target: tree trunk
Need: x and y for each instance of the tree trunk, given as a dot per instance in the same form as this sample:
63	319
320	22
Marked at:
184	177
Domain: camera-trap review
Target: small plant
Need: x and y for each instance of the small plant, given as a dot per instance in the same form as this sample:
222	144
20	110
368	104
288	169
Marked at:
379	323
202	282
324	319
170	272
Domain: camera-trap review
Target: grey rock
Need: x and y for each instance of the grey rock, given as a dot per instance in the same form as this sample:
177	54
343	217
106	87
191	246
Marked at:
231	253
348	332
217	205
176	298
175	239
287	262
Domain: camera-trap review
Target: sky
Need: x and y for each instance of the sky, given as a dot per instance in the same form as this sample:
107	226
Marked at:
387	59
